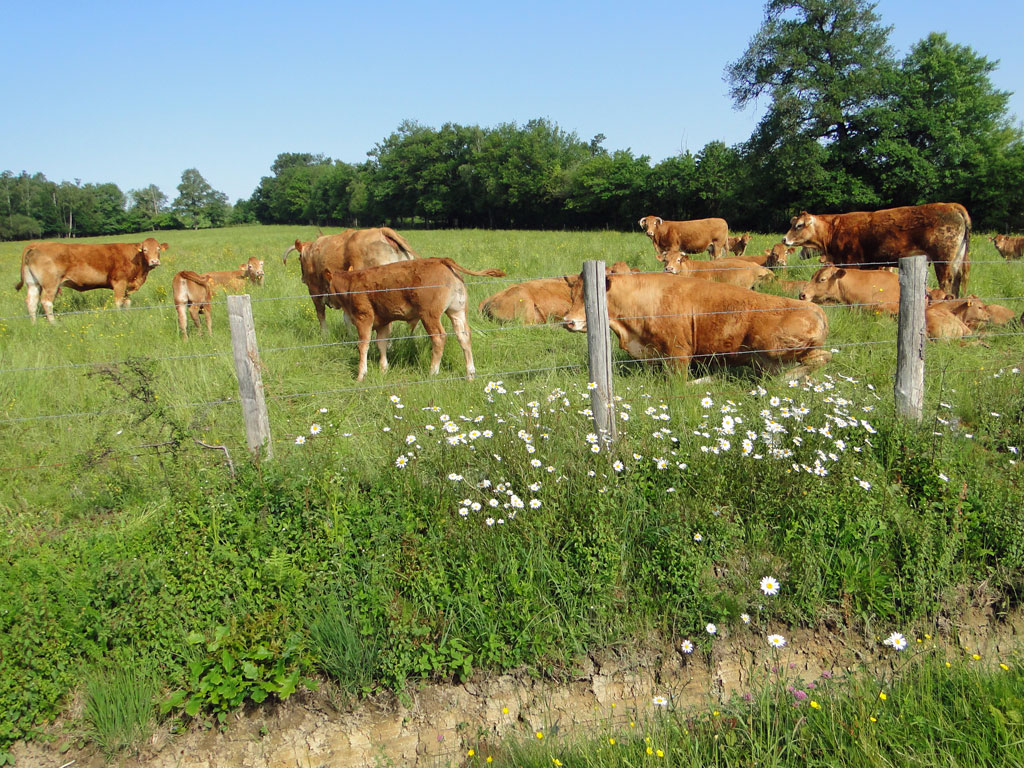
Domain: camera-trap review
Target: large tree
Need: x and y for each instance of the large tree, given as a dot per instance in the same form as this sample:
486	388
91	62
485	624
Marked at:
198	204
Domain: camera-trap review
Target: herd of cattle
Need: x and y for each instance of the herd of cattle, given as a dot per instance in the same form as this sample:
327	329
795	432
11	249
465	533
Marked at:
695	308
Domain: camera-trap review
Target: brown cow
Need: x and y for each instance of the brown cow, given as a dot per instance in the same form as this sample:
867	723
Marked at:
192	293
871	239
46	267
941	323
1008	247
739	272
870	290
679	320
351	249
972	310
534	301
694	236
234	279
776	256
424	289
738	245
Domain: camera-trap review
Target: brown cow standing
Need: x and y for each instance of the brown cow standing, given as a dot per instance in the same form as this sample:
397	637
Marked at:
351	249
694	236
738	245
534	301
123	267
192	293
739	272
872	239
678	319
234	279
870	290
423	289
1008	247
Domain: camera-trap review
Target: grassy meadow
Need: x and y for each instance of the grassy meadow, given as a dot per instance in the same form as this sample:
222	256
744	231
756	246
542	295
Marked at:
412	528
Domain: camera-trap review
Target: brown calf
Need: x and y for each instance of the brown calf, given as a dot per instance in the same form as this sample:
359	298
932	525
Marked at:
192	293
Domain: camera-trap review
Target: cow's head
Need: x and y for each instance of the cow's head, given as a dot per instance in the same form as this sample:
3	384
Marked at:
253	270
675	262
820	286
801	230
650	225
150	251
298	246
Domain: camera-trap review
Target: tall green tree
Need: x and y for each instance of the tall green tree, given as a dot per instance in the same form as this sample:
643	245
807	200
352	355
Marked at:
199	205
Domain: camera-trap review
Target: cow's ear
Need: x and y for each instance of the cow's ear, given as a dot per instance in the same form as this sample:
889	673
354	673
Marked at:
327	275
243	266
164	246
840	272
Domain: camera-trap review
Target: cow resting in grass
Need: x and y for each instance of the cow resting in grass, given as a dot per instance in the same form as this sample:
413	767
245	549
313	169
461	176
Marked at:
352	249
123	267
869	290
975	313
685	237
424	289
776	256
233	280
739	272
738	245
192	294
873	239
680	320
1008	247
534	301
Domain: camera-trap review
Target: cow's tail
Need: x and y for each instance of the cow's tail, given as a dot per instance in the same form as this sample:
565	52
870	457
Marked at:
398	242
962	261
481	273
24	255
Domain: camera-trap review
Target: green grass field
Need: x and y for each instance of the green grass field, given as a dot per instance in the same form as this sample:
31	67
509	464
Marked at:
432	528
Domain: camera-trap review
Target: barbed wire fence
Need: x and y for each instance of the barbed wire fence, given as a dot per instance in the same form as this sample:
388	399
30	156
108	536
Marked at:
248	363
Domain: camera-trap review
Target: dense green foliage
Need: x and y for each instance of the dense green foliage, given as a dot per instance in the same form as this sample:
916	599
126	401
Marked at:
849	126
347	555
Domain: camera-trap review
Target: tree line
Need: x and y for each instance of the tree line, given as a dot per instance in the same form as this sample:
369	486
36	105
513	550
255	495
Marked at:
849	126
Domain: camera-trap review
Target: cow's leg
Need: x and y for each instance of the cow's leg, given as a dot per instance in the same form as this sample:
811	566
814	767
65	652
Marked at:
209	318
944	276
461	328
32	299
383	337
182	320
321	313
193	310
48	296
433	327
814	359
119	293
364	327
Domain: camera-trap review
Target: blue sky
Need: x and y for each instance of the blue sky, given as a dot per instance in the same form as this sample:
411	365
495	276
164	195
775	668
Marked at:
135	93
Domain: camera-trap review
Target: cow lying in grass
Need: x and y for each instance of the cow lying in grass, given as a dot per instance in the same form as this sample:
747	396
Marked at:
738	272
679	319
533	302
419	290
192	293
870	290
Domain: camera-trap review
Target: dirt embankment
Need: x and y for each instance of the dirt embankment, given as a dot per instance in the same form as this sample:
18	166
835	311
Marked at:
436	724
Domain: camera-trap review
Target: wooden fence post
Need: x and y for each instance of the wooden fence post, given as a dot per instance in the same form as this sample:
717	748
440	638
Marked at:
910	338
599	349
250	380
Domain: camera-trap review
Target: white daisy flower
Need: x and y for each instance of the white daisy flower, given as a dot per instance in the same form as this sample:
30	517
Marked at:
776	641
769	585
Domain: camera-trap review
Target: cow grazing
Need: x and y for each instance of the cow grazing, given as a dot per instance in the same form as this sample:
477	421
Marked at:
1008	247
739	272
738	245
870	290
424	289
192	293
534	301
776	256
685	237
351	249
123	267
679	320
871	239
233	280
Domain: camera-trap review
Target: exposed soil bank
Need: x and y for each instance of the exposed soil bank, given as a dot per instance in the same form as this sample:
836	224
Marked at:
436	723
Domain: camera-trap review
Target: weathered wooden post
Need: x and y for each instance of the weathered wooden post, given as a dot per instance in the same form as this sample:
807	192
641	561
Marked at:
250	380
910	338
599	349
